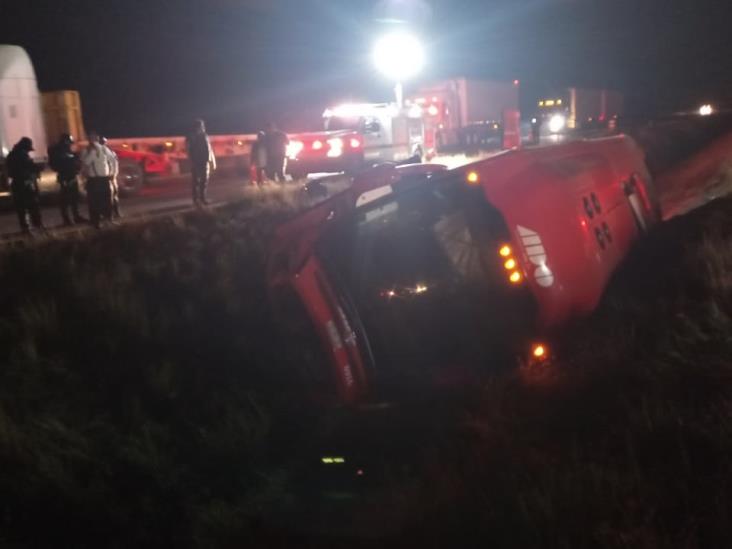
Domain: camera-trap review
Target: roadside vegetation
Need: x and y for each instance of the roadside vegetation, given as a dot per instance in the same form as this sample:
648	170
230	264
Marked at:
145	401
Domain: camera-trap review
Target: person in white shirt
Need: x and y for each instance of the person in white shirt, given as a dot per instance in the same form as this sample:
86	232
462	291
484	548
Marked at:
115	185
98	165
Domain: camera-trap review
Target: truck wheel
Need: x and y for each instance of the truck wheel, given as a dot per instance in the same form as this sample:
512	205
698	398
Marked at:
131	178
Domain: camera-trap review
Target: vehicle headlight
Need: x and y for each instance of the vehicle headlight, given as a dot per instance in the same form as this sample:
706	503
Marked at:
294	148
557	123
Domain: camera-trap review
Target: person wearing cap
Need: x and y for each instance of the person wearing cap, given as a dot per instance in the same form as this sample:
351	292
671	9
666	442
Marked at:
23	174
98	167
202	159
114	184
65	162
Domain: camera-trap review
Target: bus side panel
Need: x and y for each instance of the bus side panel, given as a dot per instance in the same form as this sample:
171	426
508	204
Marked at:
350	379
569	215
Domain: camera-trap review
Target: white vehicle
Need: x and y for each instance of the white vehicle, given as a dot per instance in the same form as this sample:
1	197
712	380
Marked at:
358	136
20	107
389	134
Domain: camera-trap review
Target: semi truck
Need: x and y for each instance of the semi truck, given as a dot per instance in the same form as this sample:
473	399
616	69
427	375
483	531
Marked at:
464	113
20	107
579	109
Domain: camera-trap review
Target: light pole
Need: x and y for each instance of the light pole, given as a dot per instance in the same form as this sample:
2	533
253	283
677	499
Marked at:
398	56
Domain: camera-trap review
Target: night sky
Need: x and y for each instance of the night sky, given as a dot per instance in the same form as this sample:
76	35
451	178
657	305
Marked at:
147	67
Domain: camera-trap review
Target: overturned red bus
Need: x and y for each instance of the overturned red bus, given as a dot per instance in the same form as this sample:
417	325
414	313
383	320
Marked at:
418	272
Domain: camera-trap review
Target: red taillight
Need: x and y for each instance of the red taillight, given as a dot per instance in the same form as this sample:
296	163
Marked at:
355	143
317	145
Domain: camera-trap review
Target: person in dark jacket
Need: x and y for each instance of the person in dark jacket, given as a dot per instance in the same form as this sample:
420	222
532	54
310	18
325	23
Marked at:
202	161
23	174
276	143
67	166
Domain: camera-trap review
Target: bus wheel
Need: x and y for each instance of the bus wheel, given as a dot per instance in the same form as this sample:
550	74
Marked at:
131	178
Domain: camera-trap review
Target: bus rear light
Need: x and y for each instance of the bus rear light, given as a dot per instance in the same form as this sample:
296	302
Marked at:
516	277
505	251
317	145
472	178
510	264
355	143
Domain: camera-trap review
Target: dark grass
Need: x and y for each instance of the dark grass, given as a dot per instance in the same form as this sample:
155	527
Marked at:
145	401
138	374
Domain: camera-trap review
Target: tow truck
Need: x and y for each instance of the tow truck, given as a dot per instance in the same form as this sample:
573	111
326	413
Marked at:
358	136
417	275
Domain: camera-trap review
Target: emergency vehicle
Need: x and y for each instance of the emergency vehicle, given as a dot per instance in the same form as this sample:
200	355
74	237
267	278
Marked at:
358	136
416	274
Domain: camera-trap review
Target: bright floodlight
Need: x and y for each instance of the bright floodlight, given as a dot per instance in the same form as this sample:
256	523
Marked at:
706	110
399	56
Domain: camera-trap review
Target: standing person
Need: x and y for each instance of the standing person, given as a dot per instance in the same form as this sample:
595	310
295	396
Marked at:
66	164
202	161
23	174
114	185
97	166
259	158
276	146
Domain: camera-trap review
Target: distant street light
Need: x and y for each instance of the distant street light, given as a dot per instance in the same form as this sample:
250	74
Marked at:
399	56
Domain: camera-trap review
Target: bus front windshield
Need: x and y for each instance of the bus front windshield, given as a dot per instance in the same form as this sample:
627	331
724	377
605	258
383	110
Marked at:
425	281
